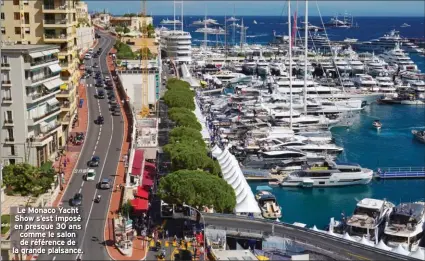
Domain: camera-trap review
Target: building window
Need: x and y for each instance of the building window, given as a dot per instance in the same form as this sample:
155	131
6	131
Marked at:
16	16
17	30
27	30
15	2
26	2
3	30
9	116
12	161
27	18
2	16
12	151
4	59
10	134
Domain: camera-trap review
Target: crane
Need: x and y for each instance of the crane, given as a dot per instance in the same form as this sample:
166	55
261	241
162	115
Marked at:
144	54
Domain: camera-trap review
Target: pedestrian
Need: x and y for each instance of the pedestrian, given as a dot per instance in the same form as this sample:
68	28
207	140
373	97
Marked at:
64	163
166	234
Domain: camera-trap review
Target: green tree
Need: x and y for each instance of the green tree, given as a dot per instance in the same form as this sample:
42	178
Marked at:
126	209
126	30
124	51
150	30
186	120
119	29
25	179
184	134
174	82
197	188
181	99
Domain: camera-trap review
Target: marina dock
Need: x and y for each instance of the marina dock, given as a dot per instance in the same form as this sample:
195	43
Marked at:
401	173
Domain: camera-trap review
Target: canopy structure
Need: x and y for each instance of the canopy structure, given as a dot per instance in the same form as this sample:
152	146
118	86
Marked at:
232	174
400	250
139	204
55	68
366	241
50	85
265	188
346	236
383	246
136	169
142	193
419	253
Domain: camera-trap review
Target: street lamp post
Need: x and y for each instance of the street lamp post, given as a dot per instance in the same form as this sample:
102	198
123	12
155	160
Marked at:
203	221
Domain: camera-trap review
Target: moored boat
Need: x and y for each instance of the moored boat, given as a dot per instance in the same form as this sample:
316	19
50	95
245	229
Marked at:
377	124
419	135
267	202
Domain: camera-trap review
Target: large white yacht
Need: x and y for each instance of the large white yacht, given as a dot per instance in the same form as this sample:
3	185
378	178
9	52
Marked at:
405	225
378	67
399	58
365	82
329	174
385	84
368	219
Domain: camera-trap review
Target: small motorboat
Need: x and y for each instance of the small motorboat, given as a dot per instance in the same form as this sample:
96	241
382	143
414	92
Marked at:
405	25
377	124
419	135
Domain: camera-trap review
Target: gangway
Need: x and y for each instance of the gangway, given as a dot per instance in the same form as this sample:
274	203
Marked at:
400	173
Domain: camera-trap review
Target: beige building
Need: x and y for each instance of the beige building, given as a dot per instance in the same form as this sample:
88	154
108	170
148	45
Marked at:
133	23
82	11
102	20
47	22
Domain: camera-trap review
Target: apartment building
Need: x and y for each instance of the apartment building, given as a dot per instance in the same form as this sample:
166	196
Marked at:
82	11
133	23
47	22
31	126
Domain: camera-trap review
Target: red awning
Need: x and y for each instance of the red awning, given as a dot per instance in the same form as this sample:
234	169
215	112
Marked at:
137	163
150	166
139	204
147	182
142	193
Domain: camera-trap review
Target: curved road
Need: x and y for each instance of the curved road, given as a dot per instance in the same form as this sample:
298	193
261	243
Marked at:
104	141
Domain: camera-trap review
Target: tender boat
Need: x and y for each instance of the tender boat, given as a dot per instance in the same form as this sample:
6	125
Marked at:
267	202
419	135
405	225
405	25
328	174
377	124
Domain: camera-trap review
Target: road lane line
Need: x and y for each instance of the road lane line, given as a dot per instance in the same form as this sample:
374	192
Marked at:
357	256
103	165
54	258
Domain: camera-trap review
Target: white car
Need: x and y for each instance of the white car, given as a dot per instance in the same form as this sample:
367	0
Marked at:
87	56
91	174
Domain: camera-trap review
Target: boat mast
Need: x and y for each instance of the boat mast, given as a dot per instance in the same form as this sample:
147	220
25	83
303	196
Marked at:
174	15
205	29
305	54
181	2
225	37
242	34
234	26
290	63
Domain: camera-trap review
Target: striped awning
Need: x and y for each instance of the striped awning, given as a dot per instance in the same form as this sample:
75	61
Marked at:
53	83
53	102
55	68
49	52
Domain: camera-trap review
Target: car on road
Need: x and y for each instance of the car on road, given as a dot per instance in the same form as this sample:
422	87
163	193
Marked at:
113	103
109	84
105	183
116	112
100	120
95	65
91	174
95	55
87	56
111	94
112	98
99	84
94	161
77	200
100	94
97	36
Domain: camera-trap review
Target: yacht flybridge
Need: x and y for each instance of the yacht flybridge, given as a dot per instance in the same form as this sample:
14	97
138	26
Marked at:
405	225
328	174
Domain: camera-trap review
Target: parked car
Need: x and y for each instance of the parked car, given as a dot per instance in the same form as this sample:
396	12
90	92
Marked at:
116	112
99	84
105	184
95	65
96	55
94	162
100	94
77	200
87	56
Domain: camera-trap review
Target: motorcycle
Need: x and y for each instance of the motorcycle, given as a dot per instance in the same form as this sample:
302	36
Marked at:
97	200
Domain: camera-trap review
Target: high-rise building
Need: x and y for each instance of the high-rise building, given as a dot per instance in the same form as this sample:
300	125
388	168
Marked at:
31	125
47	22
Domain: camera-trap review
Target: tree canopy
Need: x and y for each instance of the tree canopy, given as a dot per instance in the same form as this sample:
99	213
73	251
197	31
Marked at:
25	179
186	120
185	134
124	51
197	188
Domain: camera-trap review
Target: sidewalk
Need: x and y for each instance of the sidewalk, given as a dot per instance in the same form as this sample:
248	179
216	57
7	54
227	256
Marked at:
139	245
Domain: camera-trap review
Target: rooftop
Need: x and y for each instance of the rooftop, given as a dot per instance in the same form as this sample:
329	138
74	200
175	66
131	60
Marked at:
234	255
28	48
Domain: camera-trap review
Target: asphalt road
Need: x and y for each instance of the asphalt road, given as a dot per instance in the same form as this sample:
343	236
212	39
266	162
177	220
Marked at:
104	141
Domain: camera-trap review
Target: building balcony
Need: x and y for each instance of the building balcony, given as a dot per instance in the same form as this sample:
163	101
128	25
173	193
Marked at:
39	80
66	120
65	93
47	61
7	100
5	66
53	110
57	23
46	132
58	38
66	107
9	140
8	123
6	83
36	97
58	8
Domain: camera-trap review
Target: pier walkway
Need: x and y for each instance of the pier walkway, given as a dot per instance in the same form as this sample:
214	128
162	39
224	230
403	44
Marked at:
401	173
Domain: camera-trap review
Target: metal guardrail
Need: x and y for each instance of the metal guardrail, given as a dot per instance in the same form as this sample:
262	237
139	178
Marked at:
403	169
312	232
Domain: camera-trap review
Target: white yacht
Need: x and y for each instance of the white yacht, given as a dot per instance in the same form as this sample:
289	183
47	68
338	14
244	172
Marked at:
385	84
405	225
365	82
377	66
368	219
227	76
320	148
207	21
400	59
329	174
168	22
277	68
263	67
268	204
405	25
249	67
341	64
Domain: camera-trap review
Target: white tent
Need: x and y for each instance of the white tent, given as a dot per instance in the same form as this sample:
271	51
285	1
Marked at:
365	241
347	237
314	228
383	246
419	253
400	250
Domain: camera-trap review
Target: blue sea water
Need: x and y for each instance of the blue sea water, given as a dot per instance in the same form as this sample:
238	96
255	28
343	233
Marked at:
393	146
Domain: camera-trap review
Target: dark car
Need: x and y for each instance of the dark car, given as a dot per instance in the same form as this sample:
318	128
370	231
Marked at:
109	84
99	84
94	162
112	99
111	94
77	200
100	120
105	184
100	94
96	55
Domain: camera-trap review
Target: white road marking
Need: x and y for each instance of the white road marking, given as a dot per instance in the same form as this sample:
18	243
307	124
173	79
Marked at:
103	165
54	258
95	146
